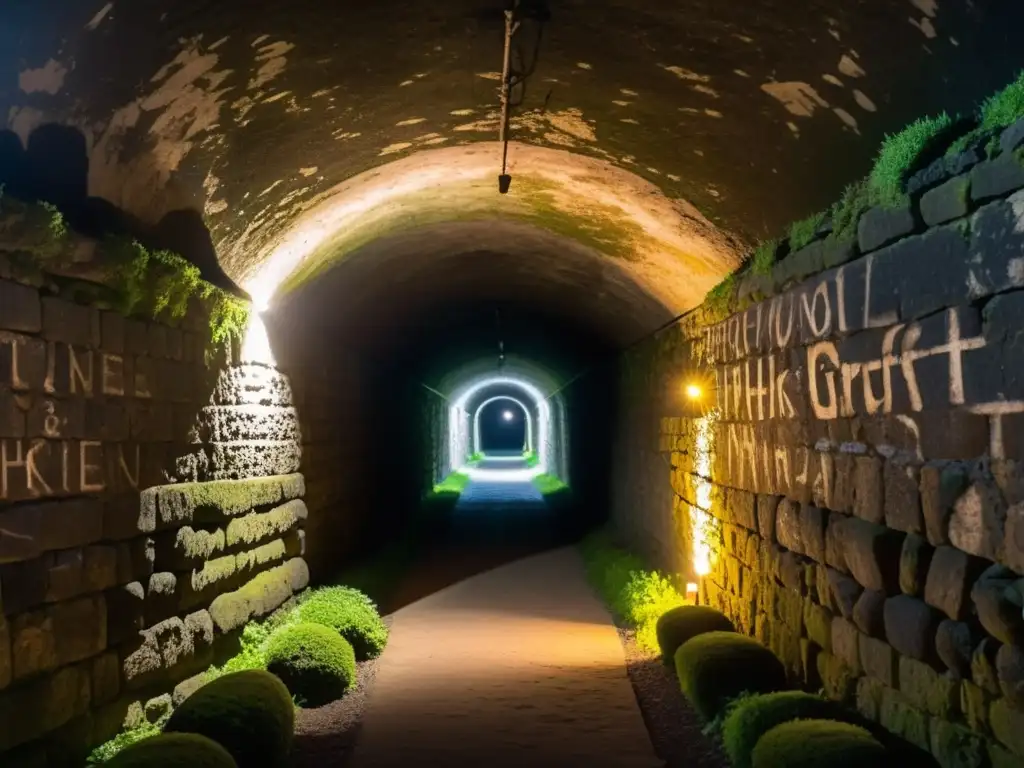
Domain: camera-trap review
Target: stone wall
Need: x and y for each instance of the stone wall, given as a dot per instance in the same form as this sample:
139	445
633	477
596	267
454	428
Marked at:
150	504
849	485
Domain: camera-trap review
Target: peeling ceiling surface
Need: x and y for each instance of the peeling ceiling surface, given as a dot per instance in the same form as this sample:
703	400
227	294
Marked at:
659	136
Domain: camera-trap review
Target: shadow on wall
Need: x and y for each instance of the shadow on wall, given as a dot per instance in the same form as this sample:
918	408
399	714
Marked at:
53	167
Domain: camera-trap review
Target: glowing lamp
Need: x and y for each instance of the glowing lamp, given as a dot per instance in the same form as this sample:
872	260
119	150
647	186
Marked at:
691	588
693	391
507	415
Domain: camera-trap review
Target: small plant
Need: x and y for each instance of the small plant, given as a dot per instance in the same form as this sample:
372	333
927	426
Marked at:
900	155
719	298
764	257
454	484
634	593
58	228
747	719
350	613
803	232
548	484
715	667
316	664
531	458
174	750
138	731
817	744
475	457
249	713
229	317
1006	107
684	622
856	199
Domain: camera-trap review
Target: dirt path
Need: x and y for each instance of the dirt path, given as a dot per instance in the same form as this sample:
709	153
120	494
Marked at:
517	666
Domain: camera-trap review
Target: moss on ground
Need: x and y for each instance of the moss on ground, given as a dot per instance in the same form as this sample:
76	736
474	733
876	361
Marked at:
549	484
455	483
173	750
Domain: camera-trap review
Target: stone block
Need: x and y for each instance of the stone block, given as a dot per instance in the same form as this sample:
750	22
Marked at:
996	240
6	662
161	597
187	547
231	423
259	596
878	660
70	323
926	689
873	554
12	417
125	612
33	528
156	344
983	666
881	226
20	309
33	644
80	627
910	627
946	202
1001	758
868	489
187	687
1013	542
869	697
791	572
1010	670
903	719
950	576
812	531
135	560
1012	137
845	592
785	644
835	550
208	502
922	274
974	703
252	385
869	613
112	332
742	505
955	746
24	585
787	526
809	653
23	362
766	509
169	650
902	498
106	678
954	644
818	624
846	643
997	607
995	178
978	519
43	705
1007	725
838	680
257	527
915	559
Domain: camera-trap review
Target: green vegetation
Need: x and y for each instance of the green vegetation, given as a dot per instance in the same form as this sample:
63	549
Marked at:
716	667
817	744
901	154
764	257
684	622
475	457
1004	108
248	713
549	484
316	664
350	613
454	484
58	228
637	595
719	298
803	232
750	717
531	458
174	750
137	728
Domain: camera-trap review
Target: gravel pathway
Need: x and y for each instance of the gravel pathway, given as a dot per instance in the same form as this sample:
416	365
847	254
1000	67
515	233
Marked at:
325	737
676	730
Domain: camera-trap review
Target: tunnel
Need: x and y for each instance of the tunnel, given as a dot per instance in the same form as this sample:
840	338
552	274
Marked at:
482	382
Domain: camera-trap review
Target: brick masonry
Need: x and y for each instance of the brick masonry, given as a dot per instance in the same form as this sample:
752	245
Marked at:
142	488
855	468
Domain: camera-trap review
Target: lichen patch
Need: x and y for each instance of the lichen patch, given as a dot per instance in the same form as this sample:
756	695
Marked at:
48	78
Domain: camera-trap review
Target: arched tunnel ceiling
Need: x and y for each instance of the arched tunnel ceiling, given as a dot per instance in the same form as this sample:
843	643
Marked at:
667	132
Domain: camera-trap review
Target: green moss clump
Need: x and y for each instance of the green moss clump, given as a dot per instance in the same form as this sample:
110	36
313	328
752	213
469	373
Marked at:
803	232
817	744
229	317
455	484
549	484
764	257
636	594
856	199
715	667
174	750
753	716
262	525
531	459
901	154
719	299
58	228
258	597
315	663
1006	107
249	713
350	613
136	729
213	501
684	622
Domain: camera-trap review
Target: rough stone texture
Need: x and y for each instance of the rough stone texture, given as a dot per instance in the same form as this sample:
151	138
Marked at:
998	613
994	178
846	644
1012	137
787	526
946	202
955	746
902	718
873	554
915	558
868	489
954	644
878	660
928	690
940	488
1014	539
974	703
983	666
902	498
845	592
1008	725
869	613
766	510
977	523
1010	669
910	627
43	705
881	226
227	424
950	576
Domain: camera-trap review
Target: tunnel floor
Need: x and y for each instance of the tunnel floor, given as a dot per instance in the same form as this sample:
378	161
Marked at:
520	665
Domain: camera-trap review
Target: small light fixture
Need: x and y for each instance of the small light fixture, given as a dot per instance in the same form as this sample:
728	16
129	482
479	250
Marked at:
691	588
693	391
507	415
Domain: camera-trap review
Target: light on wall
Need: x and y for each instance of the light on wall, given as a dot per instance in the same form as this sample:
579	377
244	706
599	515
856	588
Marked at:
256	343
507	415
694	392
703	525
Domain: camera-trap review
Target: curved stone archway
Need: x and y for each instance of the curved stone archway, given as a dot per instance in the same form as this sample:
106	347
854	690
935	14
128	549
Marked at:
527	422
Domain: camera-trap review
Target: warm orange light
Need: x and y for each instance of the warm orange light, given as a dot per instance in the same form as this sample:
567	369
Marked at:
693	391
691	588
